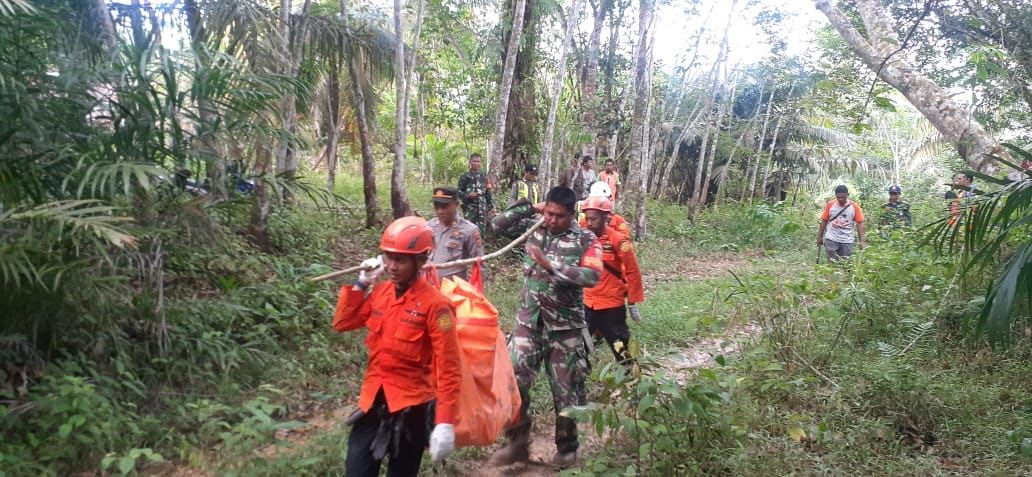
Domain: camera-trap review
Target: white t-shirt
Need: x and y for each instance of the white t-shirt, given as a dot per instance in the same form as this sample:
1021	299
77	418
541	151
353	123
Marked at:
841	229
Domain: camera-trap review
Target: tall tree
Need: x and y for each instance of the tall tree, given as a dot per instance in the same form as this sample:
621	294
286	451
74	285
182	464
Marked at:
364	136
557	88
884	54
589	76
293	43
642	91
504	89
399	197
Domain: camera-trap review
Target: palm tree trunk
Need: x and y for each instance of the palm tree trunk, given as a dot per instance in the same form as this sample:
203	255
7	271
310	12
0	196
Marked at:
364	137
546	156
504	89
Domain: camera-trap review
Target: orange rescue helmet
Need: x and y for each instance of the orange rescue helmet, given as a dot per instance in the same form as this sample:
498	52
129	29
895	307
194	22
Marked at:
410	235
598	203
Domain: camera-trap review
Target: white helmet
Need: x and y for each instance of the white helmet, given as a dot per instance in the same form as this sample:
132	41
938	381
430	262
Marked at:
600	189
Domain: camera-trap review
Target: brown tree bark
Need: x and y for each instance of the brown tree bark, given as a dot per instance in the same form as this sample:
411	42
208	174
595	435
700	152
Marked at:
880	52
364	137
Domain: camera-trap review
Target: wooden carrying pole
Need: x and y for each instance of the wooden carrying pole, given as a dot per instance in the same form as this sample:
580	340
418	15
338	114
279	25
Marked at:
456	263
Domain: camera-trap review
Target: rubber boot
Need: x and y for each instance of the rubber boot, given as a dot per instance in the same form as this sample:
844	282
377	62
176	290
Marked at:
517	450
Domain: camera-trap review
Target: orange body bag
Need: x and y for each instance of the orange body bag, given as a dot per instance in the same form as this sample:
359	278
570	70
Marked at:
489	398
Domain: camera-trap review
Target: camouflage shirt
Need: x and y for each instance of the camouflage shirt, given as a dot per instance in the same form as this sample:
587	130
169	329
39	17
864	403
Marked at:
557	298
471	182
896	214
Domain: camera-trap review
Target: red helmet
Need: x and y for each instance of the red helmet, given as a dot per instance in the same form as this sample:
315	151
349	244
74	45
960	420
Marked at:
598	203
409	235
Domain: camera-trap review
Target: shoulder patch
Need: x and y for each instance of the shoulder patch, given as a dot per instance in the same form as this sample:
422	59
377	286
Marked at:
592	261
444	319
625	246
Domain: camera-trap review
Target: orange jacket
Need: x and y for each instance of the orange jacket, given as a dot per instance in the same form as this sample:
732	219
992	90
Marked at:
616	222
617	254
409	337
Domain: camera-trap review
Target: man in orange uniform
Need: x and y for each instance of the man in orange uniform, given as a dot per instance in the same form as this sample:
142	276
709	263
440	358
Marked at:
621	280
616	221
411	333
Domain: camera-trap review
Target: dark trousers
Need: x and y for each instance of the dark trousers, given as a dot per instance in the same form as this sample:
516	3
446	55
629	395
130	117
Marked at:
406	452
611	323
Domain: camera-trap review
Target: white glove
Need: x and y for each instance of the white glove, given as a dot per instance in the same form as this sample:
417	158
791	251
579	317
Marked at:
442	442
375	266
635	314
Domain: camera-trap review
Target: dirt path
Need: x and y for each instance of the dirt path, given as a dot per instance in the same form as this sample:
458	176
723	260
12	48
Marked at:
680	363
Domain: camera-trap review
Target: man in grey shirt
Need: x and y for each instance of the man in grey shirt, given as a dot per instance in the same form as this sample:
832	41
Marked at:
455	238
841	214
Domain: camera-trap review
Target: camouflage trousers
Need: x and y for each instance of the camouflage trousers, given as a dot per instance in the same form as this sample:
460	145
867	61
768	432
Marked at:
477	215
565	356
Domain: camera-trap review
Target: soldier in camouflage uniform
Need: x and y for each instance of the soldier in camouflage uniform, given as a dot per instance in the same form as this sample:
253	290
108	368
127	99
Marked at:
562	259
475	194
515	220
895	212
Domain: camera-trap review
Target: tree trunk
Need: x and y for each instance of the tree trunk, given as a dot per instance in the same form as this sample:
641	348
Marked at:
364	137
741	139
399	197
681	138
879	52
642	91
759	147
546	155
333	123
504	88
207	114
770	157
696	201
589	80
614	42
645	162
704	195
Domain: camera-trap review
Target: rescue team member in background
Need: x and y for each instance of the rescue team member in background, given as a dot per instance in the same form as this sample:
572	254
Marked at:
411	333
562	260
621	282
475	193
896	213
616	221
841	213
527	188
456	237
611	178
